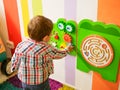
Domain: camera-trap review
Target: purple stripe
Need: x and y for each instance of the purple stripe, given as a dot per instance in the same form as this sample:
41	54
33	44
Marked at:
70	13
70	9
70	70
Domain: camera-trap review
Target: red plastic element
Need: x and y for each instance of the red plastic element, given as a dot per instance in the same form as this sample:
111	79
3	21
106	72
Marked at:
56	37
67	38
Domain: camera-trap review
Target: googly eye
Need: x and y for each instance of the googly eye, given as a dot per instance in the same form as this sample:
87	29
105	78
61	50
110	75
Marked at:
69	28
61	26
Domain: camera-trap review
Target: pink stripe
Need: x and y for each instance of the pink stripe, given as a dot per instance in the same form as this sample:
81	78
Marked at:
70	13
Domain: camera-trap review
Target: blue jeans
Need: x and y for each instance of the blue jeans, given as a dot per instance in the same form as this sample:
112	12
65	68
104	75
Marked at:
43	86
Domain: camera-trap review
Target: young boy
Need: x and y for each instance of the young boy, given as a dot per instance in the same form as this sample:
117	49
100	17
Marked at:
33	57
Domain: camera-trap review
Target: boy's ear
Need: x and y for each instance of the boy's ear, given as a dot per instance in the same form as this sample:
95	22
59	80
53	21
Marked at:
45	38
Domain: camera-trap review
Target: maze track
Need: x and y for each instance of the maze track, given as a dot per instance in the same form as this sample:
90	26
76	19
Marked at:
97	51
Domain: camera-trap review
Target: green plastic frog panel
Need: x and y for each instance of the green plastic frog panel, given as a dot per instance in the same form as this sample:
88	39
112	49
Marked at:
98	48
64	34
96	45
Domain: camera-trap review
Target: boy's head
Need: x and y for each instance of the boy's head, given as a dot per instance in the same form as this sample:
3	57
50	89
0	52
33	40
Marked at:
39	27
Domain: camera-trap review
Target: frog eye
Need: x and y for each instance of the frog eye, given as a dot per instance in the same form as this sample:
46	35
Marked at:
61	26
69	28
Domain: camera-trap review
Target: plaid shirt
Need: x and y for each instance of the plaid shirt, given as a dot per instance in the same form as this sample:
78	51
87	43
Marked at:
33	60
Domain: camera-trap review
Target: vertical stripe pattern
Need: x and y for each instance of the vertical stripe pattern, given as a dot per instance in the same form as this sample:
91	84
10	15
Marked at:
108	12
70	13
25	15
55	9
12	20
3	28
15	16
37	7
86	9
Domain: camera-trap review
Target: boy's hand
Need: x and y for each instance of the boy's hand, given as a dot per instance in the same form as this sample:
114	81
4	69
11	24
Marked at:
70	48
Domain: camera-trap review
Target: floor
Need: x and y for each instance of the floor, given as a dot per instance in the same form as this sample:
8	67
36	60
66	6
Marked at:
2	78
13	83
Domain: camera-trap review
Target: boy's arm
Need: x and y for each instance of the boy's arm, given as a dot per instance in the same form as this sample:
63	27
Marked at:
58	54
15	62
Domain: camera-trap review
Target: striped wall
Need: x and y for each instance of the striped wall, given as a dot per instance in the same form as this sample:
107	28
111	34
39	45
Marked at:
15	15
85	9
108	12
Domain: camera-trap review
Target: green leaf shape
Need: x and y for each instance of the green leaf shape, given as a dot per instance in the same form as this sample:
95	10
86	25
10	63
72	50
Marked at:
101	27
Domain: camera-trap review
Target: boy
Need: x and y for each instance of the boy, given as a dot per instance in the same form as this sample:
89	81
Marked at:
33	57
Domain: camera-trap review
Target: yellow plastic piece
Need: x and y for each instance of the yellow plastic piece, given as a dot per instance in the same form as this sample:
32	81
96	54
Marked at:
65	87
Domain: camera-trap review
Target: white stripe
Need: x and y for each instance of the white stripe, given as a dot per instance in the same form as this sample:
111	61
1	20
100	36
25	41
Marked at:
30	9
3	27
20	19
83	80
53	9
59	70
87	9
